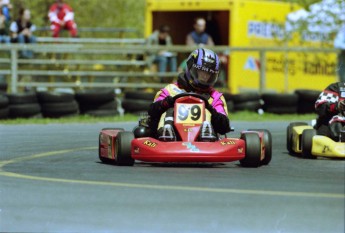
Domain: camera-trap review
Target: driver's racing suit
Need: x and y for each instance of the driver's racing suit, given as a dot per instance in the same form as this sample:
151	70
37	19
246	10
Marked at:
330	120
219	114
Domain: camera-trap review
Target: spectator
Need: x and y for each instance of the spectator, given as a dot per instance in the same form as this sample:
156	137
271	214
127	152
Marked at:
4	38
199	36
162	37
5	7
21	31
61	16
339	43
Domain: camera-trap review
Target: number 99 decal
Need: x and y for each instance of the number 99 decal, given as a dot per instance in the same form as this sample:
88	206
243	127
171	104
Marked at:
189	113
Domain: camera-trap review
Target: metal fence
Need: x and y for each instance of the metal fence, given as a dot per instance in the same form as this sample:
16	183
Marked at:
130	49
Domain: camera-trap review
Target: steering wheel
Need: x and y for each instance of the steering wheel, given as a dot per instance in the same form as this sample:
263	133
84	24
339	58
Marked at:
203	98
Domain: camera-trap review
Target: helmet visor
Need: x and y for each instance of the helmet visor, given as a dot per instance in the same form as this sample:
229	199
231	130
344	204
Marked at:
205	77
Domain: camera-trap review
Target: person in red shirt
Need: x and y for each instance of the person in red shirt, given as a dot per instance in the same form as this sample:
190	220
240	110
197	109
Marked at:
61	16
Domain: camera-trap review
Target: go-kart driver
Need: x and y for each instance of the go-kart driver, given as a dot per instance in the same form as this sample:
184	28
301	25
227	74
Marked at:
330	106
200	76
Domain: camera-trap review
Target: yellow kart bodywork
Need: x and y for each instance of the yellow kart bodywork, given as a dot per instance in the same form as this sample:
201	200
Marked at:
296	137
322	146
326	147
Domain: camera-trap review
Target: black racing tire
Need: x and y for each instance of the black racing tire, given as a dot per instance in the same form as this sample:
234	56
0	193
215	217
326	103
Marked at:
3	101
274	99
227	96
253	150
268	145
57	110
102	113
95	96
24	110
281	109
110	105
307	143
289	135
130	105
4	113
304	107
230	105
252	106
123	149
22	98
308	95
3	87
140	95
54	97
246	97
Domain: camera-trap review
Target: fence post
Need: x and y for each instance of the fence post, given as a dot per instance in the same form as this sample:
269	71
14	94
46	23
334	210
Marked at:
262	81
14	67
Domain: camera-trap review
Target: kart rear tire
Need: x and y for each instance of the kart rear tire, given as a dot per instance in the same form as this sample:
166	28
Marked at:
307	143
103	160
289	135
123	149
268	145
253	150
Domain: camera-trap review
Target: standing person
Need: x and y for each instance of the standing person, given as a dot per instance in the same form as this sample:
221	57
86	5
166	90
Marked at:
199	36
199	77
5	7
162	37
330	106
339	43
21	31
4	37
61	16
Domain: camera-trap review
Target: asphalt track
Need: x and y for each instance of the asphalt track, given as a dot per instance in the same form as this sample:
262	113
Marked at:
51	181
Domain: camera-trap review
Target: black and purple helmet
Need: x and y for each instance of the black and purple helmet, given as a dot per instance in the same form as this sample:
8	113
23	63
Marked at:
202	69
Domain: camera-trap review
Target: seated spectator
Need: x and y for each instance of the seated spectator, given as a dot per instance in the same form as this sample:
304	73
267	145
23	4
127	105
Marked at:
4	37
21	31
162	37
61	16
199	36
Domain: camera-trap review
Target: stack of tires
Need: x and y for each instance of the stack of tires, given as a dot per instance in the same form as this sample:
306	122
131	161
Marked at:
24	105
56	105
280	103
4	109
137	102
306	100
97	102
243	102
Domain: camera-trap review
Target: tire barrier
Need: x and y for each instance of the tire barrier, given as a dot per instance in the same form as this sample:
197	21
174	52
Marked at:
4	109
97	102
55	105
101	103
137	102
280	103
24	105
243	102
306	100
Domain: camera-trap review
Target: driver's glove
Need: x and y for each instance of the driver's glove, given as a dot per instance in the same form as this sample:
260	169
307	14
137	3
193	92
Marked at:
341	106
159	107
167	103
219	121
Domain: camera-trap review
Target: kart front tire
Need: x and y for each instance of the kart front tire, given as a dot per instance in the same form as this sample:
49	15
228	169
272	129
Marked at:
123	149
253	150
307	143
289	135
268	145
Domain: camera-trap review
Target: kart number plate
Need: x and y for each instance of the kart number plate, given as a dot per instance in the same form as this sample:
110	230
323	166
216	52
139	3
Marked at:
189	113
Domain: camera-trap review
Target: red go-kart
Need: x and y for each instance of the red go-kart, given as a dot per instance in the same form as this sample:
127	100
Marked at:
252	149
